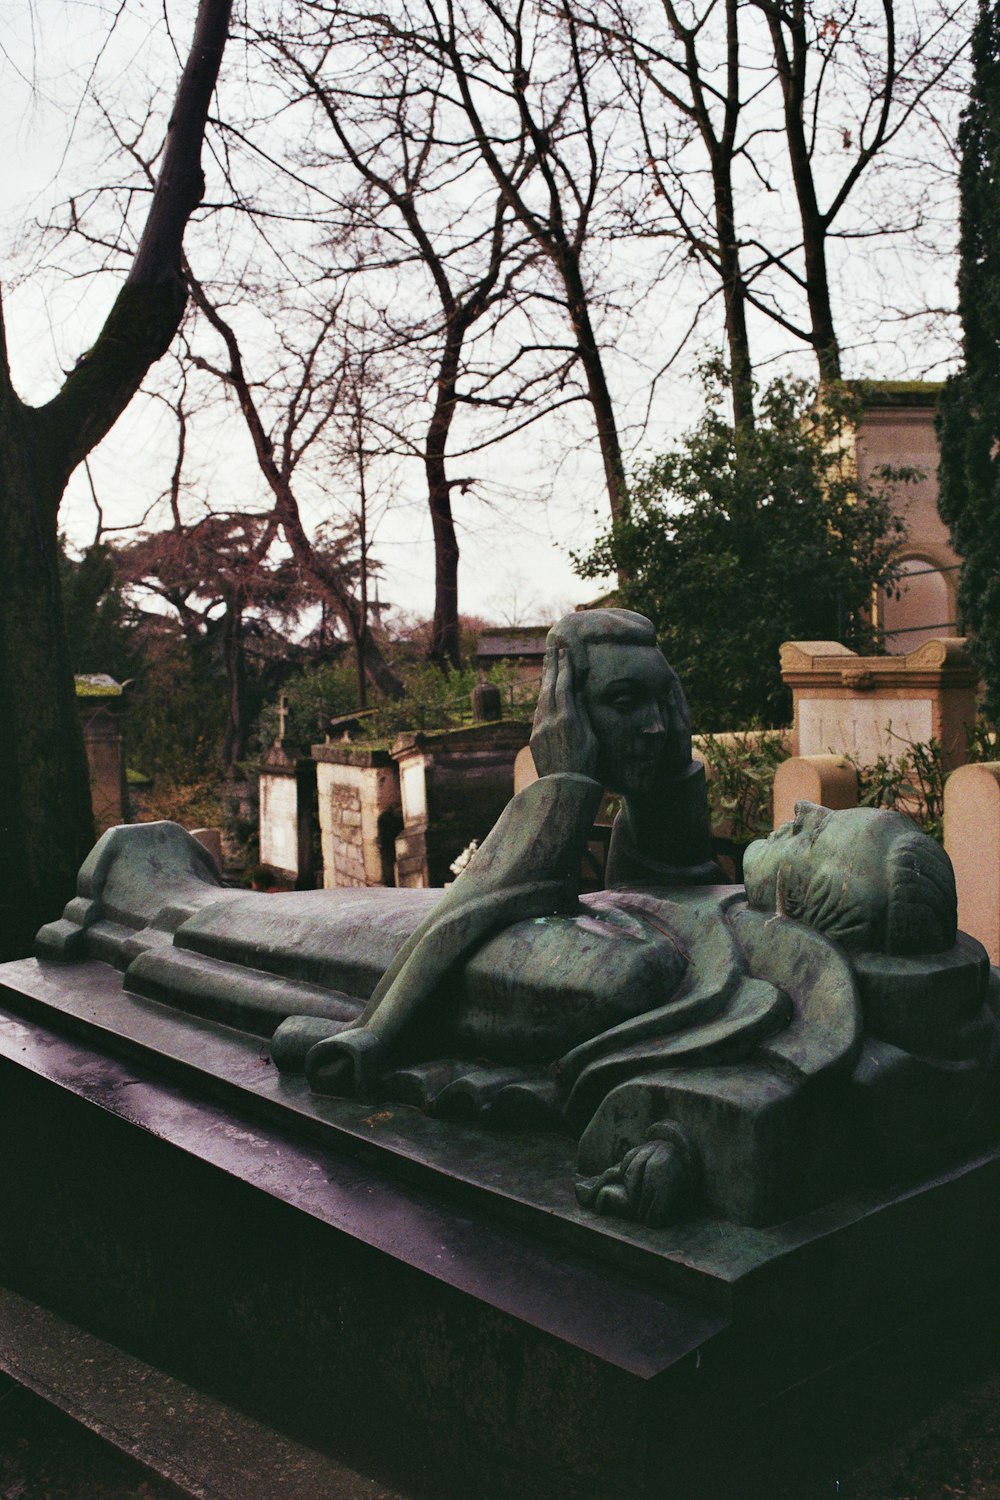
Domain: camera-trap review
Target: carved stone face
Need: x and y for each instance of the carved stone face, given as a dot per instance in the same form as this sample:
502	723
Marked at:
865	876
792	854
638	714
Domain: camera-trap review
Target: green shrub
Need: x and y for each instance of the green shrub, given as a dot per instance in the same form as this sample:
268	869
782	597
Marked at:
911	782
313	696
734	542
741	786
443	700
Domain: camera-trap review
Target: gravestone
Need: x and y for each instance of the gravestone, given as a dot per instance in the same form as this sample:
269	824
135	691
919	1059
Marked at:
972	839
357	791
454	784
828	780
864	707
286	785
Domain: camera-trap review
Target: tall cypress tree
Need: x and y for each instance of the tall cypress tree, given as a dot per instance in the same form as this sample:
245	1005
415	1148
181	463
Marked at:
969	418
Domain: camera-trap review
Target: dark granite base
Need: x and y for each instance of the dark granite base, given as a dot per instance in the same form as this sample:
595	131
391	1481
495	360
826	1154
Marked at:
471	1333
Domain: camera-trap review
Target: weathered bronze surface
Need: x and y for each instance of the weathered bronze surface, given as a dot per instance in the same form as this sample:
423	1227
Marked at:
747	1054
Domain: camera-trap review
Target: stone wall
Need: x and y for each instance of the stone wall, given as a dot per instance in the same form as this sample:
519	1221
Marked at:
345	804
358	800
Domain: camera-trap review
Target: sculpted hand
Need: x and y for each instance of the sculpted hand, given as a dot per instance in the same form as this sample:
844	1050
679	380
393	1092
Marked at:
562	738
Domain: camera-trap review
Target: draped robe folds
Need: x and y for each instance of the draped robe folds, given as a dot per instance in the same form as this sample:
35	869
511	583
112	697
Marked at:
511	1001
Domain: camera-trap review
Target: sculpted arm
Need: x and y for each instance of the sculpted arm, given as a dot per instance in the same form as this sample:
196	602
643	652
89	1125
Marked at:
528	866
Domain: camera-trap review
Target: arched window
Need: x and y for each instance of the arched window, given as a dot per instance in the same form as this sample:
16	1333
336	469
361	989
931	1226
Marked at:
923	609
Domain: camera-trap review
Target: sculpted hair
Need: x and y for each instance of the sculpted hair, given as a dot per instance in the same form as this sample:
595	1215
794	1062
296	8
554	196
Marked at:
922	915
918	912
585	627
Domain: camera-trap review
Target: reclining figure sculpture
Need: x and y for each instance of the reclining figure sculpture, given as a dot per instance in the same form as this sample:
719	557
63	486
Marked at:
749	1054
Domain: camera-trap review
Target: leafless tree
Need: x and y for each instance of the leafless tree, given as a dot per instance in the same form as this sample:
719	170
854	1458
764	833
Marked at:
308	410
419	205
791	103
45	796
382	111
523	79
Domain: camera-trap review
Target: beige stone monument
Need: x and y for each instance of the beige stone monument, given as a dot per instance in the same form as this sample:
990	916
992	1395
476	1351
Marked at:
862	707
357	793
897	427
972	839
286	786
828	780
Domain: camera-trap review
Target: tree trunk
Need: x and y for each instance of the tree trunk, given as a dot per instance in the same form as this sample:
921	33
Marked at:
597	385
444	646
791	68
234	740
45	813
286	509
737	337
445	643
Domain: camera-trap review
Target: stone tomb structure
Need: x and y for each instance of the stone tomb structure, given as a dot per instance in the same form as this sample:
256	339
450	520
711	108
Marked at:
558	1189
287	813
454	784
897	427
357	790
864	707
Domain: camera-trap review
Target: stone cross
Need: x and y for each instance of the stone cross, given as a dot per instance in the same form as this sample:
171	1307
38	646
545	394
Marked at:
282	717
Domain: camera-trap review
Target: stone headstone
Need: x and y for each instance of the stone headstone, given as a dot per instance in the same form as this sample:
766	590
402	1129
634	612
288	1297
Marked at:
357	794
972	839
864	707
828	780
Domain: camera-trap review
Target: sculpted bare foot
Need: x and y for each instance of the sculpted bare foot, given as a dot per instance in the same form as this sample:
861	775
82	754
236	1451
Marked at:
651	1184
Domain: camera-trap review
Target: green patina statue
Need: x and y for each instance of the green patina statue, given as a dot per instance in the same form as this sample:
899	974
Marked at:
611	714
746	1053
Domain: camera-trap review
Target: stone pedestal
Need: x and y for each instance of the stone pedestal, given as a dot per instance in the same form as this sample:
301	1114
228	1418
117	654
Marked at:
827	780
972	839
357	792
394	1290
866	706
454	784
99	702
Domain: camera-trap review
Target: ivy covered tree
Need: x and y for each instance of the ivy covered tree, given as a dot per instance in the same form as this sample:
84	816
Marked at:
738	540
969	419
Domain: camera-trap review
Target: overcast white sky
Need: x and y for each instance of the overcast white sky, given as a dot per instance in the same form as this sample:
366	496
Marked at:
535	496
